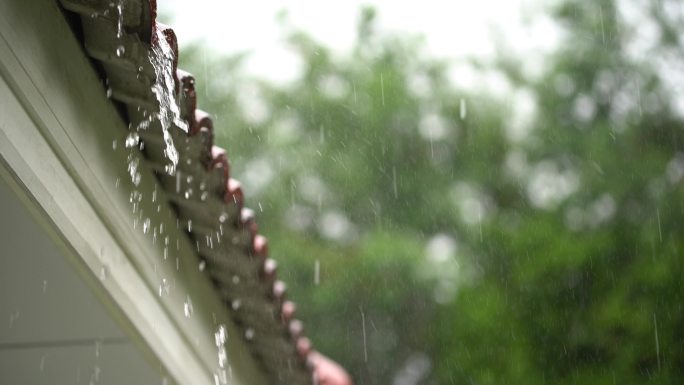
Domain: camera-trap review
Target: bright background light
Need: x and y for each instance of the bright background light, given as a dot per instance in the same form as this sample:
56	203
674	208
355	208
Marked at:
451	29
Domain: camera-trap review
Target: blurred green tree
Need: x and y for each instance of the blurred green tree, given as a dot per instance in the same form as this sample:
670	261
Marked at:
431	235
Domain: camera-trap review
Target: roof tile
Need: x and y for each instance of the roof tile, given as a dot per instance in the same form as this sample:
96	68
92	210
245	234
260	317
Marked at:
124	41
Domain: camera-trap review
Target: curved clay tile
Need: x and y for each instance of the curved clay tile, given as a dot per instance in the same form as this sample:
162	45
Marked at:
125	42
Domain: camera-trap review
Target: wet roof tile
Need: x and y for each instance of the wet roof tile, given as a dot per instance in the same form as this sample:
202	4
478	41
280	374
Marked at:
125	38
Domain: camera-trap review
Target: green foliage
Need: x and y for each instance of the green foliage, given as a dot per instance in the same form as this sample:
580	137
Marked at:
562	257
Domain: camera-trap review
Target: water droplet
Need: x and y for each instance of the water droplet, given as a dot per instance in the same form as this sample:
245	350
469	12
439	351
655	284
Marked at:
164	287
161	56
187	307
317	272
120	50
109	93
114	145
119	23
202	265
146	226
220	335
189	225
235	305
132	139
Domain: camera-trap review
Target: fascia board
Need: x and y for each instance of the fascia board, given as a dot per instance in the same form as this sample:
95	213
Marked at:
57	131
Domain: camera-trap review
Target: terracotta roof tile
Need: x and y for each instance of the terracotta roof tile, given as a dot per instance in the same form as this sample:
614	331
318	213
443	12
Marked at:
125	41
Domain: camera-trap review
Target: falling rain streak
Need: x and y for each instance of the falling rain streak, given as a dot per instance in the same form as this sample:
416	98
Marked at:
363	327
660	229
382	89
657	340
161	58
394	182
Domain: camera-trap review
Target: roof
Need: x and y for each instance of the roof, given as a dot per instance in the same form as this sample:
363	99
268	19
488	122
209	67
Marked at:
137	57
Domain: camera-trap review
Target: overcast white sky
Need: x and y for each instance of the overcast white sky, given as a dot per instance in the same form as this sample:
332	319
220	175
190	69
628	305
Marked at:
452	29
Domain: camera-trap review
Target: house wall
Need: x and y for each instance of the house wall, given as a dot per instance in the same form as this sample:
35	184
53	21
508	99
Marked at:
53	328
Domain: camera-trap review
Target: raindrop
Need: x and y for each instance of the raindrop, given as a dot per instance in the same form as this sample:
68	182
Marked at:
109	93
119	24
120	50
363	325
463	109
187	307
103	273
202	265
161	56
164	287
382	89
96	375
235	305
132	140
114	145
236	280
189	225
13	317
317	272
394	182
249	334
146	226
